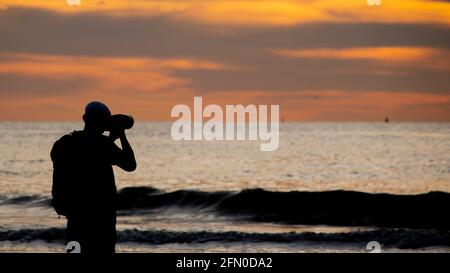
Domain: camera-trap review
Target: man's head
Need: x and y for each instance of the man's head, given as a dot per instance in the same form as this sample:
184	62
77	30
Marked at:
96	117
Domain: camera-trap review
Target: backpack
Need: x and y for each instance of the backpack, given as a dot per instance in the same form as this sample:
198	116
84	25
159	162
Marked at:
64	159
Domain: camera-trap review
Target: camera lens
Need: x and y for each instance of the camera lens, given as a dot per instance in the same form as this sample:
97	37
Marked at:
121	122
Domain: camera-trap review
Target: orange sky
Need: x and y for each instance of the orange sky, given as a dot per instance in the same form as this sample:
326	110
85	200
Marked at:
319	60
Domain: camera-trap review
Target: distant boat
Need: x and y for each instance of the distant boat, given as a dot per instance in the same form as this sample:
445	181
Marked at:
386	119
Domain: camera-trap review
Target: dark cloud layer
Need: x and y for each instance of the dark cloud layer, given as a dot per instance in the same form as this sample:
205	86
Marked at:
46	32
93	34
23	85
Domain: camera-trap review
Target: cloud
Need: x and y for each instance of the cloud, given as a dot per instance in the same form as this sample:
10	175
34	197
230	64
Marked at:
13	85
96	34
430	58
383	54
311	74
257	12
148	63
39	75
246	49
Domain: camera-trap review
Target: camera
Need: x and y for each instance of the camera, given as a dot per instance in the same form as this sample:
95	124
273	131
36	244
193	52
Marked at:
120	122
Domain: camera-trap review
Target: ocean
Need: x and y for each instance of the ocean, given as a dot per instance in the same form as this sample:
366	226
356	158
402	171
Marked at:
228	196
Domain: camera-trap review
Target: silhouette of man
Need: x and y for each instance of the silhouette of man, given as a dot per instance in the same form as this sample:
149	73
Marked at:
83	180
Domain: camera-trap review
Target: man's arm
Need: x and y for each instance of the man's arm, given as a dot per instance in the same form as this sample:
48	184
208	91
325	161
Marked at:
125	158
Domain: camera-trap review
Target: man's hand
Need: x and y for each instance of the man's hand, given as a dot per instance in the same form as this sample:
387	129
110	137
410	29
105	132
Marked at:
126	160
115	134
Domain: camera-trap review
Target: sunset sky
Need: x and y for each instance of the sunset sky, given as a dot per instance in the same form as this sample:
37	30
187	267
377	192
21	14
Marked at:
319	60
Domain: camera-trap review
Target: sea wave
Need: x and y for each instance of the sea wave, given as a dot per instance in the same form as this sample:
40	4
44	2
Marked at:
401	238
338	208
30	200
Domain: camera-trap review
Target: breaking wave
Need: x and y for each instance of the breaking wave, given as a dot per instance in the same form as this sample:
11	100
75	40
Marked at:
401	238
33	200
339	208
